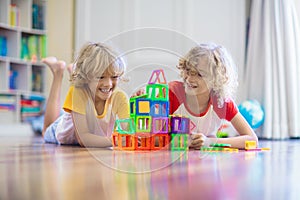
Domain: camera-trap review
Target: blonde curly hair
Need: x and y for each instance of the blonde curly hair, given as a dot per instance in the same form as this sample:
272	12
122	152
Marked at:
93	59
221	78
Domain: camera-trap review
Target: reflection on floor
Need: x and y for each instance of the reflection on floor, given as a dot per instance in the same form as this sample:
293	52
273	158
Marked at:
31	169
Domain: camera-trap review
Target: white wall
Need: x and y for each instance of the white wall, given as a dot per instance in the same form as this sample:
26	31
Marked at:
173	27
60	31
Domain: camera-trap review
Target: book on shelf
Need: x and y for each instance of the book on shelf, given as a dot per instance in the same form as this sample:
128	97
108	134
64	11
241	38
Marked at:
33	97
3	46
43	46
31	106
32	110
14	15
29	103
24	49
7	102
13	79
37	83
37	16
7	107
33	47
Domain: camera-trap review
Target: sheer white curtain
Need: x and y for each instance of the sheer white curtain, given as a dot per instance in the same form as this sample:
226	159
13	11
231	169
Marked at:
273	66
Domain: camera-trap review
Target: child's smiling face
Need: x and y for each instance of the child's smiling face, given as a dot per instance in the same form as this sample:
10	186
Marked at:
103	86
195	79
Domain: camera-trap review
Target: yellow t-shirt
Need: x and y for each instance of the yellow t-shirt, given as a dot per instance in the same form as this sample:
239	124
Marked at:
116	107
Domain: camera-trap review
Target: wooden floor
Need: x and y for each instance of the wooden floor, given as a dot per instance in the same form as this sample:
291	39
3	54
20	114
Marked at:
31	169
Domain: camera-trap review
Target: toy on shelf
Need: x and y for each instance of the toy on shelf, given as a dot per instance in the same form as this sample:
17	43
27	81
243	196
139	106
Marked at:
150	127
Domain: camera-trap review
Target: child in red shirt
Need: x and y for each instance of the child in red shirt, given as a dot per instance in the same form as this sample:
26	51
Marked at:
206	96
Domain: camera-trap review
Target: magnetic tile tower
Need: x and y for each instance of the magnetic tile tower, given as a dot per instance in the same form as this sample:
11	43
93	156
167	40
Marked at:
150	127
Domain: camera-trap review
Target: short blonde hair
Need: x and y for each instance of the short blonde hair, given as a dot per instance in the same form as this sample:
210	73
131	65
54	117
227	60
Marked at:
222	77
92	61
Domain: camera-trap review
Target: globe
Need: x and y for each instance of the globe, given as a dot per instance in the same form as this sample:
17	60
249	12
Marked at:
252	112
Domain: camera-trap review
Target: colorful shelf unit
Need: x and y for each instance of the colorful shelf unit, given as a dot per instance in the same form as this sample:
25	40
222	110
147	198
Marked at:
23	43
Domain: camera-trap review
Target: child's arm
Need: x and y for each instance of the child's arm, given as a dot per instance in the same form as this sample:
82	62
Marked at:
244	130
84	137
241	126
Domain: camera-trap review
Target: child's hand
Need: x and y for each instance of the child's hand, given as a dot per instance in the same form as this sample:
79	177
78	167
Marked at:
197	140
140	92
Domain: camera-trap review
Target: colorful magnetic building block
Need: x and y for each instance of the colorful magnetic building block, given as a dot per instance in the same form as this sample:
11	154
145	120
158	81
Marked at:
150	126
250	145
180	124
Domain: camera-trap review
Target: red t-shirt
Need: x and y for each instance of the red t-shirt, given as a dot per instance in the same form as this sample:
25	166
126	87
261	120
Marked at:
177	98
